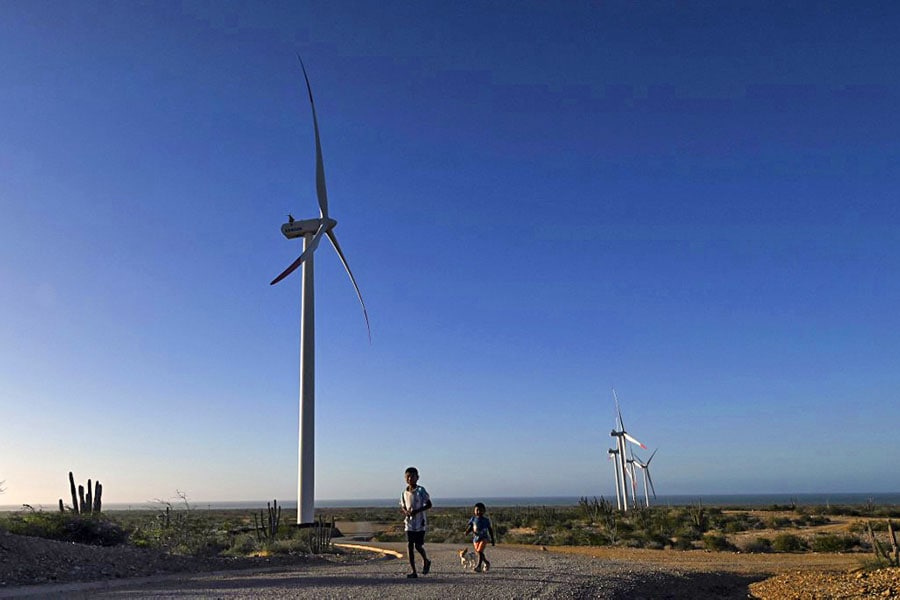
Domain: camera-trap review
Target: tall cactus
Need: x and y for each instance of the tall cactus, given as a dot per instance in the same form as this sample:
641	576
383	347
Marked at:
98	491
83	503
267	525
74	493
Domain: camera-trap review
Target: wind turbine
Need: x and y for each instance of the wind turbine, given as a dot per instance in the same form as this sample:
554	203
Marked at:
622	437
311	230
645	467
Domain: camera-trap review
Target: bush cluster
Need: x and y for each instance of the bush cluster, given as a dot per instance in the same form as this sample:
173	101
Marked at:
834	543
97	530
788	542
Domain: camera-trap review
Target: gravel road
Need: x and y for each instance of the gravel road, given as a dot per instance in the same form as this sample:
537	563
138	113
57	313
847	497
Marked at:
516	573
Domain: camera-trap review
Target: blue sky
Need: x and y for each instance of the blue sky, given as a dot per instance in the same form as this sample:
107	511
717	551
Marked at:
692	203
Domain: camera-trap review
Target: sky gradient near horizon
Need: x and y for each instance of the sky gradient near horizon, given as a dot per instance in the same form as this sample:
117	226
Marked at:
692	203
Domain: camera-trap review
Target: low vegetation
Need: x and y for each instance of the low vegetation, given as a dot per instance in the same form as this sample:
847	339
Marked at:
174	529
595	522
183	529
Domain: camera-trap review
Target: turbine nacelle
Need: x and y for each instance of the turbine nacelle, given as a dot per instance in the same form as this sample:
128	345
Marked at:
299	228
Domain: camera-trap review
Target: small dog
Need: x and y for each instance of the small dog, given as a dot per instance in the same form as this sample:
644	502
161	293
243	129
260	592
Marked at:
467	558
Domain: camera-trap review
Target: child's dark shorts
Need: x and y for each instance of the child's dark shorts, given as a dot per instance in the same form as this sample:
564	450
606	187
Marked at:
417	538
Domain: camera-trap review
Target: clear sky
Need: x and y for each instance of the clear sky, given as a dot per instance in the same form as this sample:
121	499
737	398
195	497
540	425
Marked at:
692	203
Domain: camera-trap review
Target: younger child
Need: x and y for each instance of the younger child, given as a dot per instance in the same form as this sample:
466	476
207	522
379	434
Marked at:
413	503
481	528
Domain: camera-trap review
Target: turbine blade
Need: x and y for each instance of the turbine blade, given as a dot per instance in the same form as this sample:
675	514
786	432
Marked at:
337	248
634	441
618	411
651	457
321	191
650	480
306	254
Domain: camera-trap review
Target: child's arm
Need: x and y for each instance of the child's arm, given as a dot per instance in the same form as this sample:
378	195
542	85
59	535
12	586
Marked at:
468	527
425	507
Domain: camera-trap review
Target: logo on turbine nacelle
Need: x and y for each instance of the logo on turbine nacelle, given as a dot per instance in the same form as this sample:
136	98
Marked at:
295	228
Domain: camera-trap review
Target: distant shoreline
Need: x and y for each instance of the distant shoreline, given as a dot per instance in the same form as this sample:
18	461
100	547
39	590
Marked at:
748	500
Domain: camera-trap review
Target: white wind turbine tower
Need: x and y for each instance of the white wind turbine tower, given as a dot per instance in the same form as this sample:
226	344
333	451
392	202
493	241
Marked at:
635	502
622	438
311	230
645	467
614	456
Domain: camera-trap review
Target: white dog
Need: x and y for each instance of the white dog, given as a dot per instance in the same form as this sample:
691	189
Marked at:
467	558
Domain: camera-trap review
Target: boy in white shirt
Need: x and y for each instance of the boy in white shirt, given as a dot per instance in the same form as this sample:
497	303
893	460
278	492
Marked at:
413	503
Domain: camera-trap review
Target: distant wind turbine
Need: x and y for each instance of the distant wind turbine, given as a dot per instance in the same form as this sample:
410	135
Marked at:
645	467
311	230
622	437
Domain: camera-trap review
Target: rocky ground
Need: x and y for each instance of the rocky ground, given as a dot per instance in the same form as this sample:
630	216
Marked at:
799	585
29	560
694	574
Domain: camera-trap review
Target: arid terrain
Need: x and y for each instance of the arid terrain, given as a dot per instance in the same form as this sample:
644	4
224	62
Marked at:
635	572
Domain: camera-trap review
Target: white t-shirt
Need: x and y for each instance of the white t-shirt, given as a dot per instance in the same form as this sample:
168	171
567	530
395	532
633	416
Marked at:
412	500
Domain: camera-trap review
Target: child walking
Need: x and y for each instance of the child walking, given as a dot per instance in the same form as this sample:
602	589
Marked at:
482	531
413	503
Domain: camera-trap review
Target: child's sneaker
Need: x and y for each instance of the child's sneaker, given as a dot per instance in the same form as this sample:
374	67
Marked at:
412	576
486	567
426	568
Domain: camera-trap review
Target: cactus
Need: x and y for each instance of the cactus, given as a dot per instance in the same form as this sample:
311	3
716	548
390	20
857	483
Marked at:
83	503
267	525
318	536
892	556
98	491
74	493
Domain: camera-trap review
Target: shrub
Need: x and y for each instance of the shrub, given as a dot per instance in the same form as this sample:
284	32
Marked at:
779	522
834	543
243	544
96	529
683	543
687	532
184	532
757	545
716	543
787	542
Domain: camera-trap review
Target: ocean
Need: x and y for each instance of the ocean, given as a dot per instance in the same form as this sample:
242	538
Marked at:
749	500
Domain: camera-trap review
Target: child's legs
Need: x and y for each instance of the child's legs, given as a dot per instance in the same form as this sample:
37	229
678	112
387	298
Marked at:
479	549
415	541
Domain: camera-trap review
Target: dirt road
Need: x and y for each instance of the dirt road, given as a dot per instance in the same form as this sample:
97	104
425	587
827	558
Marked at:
516	573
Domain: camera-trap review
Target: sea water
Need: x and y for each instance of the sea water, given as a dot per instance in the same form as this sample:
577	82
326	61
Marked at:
749	500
